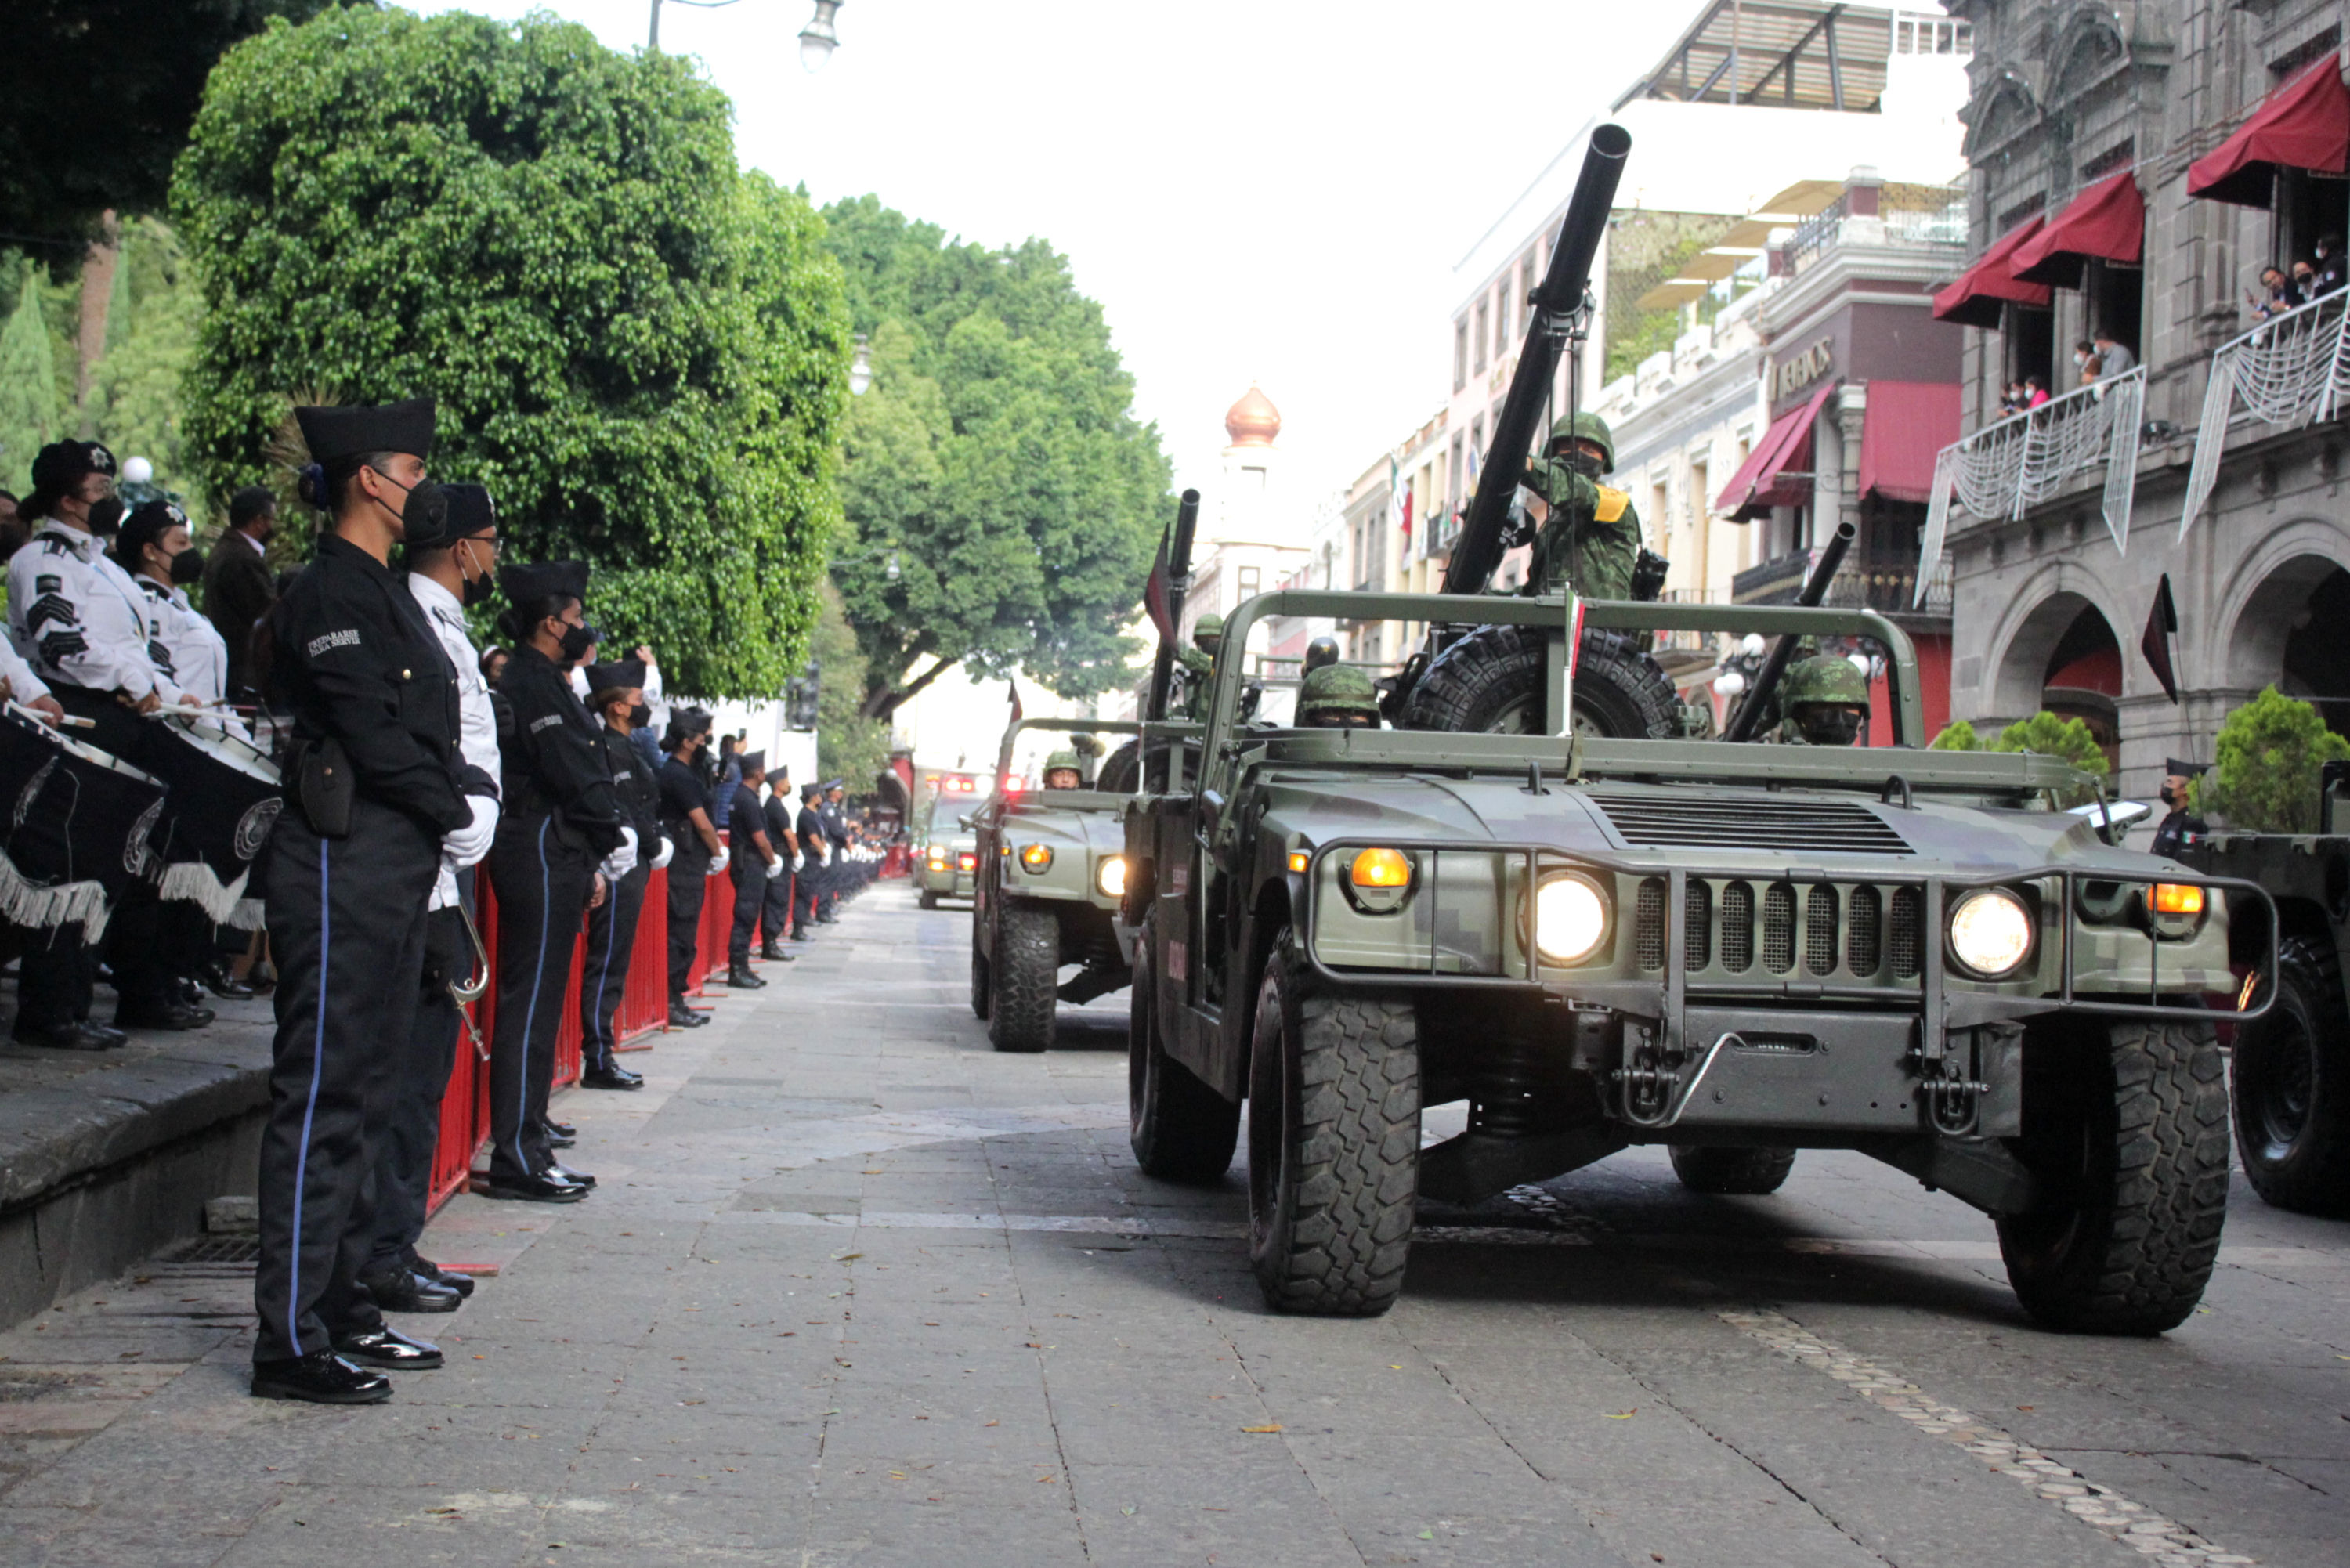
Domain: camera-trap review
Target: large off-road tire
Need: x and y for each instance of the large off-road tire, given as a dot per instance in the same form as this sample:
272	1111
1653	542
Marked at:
982	987
1026	976
1492	683
1731	1172
929	900
1182	1130
2292	1086
2125	1135
1334	1145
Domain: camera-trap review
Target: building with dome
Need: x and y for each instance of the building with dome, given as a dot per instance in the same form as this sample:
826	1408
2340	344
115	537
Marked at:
1254	529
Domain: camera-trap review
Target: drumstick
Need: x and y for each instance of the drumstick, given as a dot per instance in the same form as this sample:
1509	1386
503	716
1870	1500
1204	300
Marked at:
40	718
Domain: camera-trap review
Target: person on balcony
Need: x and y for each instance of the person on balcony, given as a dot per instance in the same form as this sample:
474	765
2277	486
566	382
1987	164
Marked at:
2084	360
2275	296
2114	357
2332	268
2035	391
2304	280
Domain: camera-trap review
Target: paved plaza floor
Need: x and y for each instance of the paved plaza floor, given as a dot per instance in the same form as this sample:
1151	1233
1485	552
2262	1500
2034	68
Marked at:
857	1290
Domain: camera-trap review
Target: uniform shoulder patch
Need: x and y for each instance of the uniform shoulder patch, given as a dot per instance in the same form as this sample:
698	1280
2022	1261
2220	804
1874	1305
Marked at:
539	724
48	585
1612	504
319	645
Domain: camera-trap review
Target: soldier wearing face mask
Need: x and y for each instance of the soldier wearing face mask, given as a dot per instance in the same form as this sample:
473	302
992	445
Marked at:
1591	538
155	548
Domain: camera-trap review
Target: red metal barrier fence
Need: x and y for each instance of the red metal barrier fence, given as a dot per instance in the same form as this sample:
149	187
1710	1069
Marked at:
644	1008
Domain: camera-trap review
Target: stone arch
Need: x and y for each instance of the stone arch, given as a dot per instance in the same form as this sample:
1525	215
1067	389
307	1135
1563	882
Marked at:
2287	615
2090	48
2006	109
2268	586
2042	611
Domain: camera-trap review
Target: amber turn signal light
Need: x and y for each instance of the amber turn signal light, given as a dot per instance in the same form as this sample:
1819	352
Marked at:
1300	859
1381	868
2177	899
1037	856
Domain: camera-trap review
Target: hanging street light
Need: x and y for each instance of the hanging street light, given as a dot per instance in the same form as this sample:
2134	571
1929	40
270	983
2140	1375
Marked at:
819	39
860	370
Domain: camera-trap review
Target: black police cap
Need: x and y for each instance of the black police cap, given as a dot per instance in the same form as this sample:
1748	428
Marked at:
2183	770
64	463
755	762
471	511
355	430
148	523
529	582
618	675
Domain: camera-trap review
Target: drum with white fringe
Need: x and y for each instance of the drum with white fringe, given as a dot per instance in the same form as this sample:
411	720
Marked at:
224	798
78	827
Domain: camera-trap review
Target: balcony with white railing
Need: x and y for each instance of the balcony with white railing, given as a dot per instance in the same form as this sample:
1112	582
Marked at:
2004	470
2290	370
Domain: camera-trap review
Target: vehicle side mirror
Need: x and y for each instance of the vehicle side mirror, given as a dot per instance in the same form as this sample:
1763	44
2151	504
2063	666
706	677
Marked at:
963	822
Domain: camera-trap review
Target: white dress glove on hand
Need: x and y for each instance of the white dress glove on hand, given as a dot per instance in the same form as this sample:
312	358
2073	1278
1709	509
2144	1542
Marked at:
623	860
466	845
718	861
668	849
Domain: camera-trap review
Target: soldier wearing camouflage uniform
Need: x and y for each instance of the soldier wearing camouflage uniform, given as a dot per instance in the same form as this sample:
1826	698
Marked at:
1338	697
1198	662
1826	702
1062	770
1591	540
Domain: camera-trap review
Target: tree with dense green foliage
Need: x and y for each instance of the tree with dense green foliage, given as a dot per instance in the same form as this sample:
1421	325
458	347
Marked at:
1003	501
1959	736
96	96
2270	753
642	352
28	383
2067	739
849	744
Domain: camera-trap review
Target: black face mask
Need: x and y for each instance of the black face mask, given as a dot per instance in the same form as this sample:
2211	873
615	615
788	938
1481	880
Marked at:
187	566
477	590
424	517
1584	464
577	641
640	716
2170	797
106	516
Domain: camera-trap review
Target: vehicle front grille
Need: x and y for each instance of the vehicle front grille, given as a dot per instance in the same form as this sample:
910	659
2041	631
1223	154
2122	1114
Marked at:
1750	822
1833	933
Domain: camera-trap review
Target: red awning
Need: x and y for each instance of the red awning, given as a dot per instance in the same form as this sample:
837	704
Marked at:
1754	488
1907	426
2304	125
2104	222
1976	299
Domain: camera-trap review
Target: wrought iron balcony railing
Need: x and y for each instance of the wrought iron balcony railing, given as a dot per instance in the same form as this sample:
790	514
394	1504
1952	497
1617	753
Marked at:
2291	369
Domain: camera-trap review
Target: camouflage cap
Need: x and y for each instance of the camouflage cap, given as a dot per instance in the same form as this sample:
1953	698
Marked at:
1338	688
1208	629
1826	677
1586	426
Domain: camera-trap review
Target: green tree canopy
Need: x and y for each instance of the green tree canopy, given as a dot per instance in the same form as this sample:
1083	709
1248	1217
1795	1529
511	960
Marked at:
642	352
95	101
2270	749
847	745
1003	501
2068	740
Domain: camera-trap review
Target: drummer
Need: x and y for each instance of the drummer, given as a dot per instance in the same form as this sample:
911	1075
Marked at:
85	628
157	550
444	579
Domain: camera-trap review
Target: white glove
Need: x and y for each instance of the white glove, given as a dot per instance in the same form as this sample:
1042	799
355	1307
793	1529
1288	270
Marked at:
623	860
466	845
774	865
718	861
668	849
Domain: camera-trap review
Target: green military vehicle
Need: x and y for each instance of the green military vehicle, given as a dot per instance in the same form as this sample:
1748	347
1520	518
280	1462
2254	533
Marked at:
1052	872
1600	931
2292	1068
948	867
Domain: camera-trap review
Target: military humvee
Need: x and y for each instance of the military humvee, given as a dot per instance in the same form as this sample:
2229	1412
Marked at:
1052	871
1735	951
2291	1068
948	867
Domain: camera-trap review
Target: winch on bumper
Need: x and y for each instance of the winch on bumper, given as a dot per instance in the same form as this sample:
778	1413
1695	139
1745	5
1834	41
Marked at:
1819	1006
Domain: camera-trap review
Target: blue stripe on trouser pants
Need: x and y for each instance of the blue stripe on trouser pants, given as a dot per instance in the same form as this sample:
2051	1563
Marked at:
347	931
542	883
611	938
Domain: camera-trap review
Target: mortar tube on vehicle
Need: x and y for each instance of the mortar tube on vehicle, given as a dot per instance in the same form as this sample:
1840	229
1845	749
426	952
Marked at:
1750	711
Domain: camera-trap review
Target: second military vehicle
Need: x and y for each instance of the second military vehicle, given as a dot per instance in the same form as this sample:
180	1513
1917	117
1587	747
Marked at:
1052	871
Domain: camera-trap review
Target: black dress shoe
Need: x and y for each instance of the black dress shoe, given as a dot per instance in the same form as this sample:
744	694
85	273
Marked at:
743	980
222	984
168	1013
615	1077
462	1284
531	1189
188	988
322	1378
387	1346
72	1037
774	953
560	1130
562	1172
680	1016
399	1289
800	934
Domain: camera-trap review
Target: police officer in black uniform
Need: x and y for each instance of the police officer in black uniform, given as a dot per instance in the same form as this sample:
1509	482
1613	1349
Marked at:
2180	830
374	780
816	877
557	841
685	817
616	692
753	858
775	915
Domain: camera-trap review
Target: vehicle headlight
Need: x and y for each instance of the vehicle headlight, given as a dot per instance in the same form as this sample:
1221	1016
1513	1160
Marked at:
1109	877
1378	881
1990	932
1037	858
1570	918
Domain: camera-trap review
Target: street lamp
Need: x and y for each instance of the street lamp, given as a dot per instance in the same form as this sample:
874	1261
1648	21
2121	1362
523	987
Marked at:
860	370
818	39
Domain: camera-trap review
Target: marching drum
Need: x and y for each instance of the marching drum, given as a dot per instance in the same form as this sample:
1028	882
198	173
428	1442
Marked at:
77	827
224	798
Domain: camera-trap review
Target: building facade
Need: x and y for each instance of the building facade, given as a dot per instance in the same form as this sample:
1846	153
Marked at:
2133	169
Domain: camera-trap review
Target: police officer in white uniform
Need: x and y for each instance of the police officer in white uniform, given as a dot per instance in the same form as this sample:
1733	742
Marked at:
156	548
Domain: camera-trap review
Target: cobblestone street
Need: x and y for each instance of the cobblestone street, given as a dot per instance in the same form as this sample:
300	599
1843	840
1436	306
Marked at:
854	1289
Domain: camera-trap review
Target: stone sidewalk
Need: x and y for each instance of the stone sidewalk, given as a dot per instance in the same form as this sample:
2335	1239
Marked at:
857	1290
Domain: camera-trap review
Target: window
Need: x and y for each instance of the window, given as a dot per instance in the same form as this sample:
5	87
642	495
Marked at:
2111	297
2029	339
1453	482
2309	207
1251	479
1502	322
1250	580
1460	354
1484	331
1921	35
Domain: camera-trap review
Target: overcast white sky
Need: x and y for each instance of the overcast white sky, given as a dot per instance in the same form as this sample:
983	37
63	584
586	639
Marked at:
1274	191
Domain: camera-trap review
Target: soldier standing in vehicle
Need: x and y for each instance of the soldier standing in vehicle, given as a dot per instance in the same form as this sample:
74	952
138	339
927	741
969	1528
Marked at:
1062	770
2180	829
1590	540
1826	699
1198	662
1338	697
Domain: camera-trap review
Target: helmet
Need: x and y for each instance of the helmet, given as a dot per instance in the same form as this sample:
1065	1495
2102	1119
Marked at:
1826	677
1322	651
1334	690
1208	629
1587	427
1063	760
